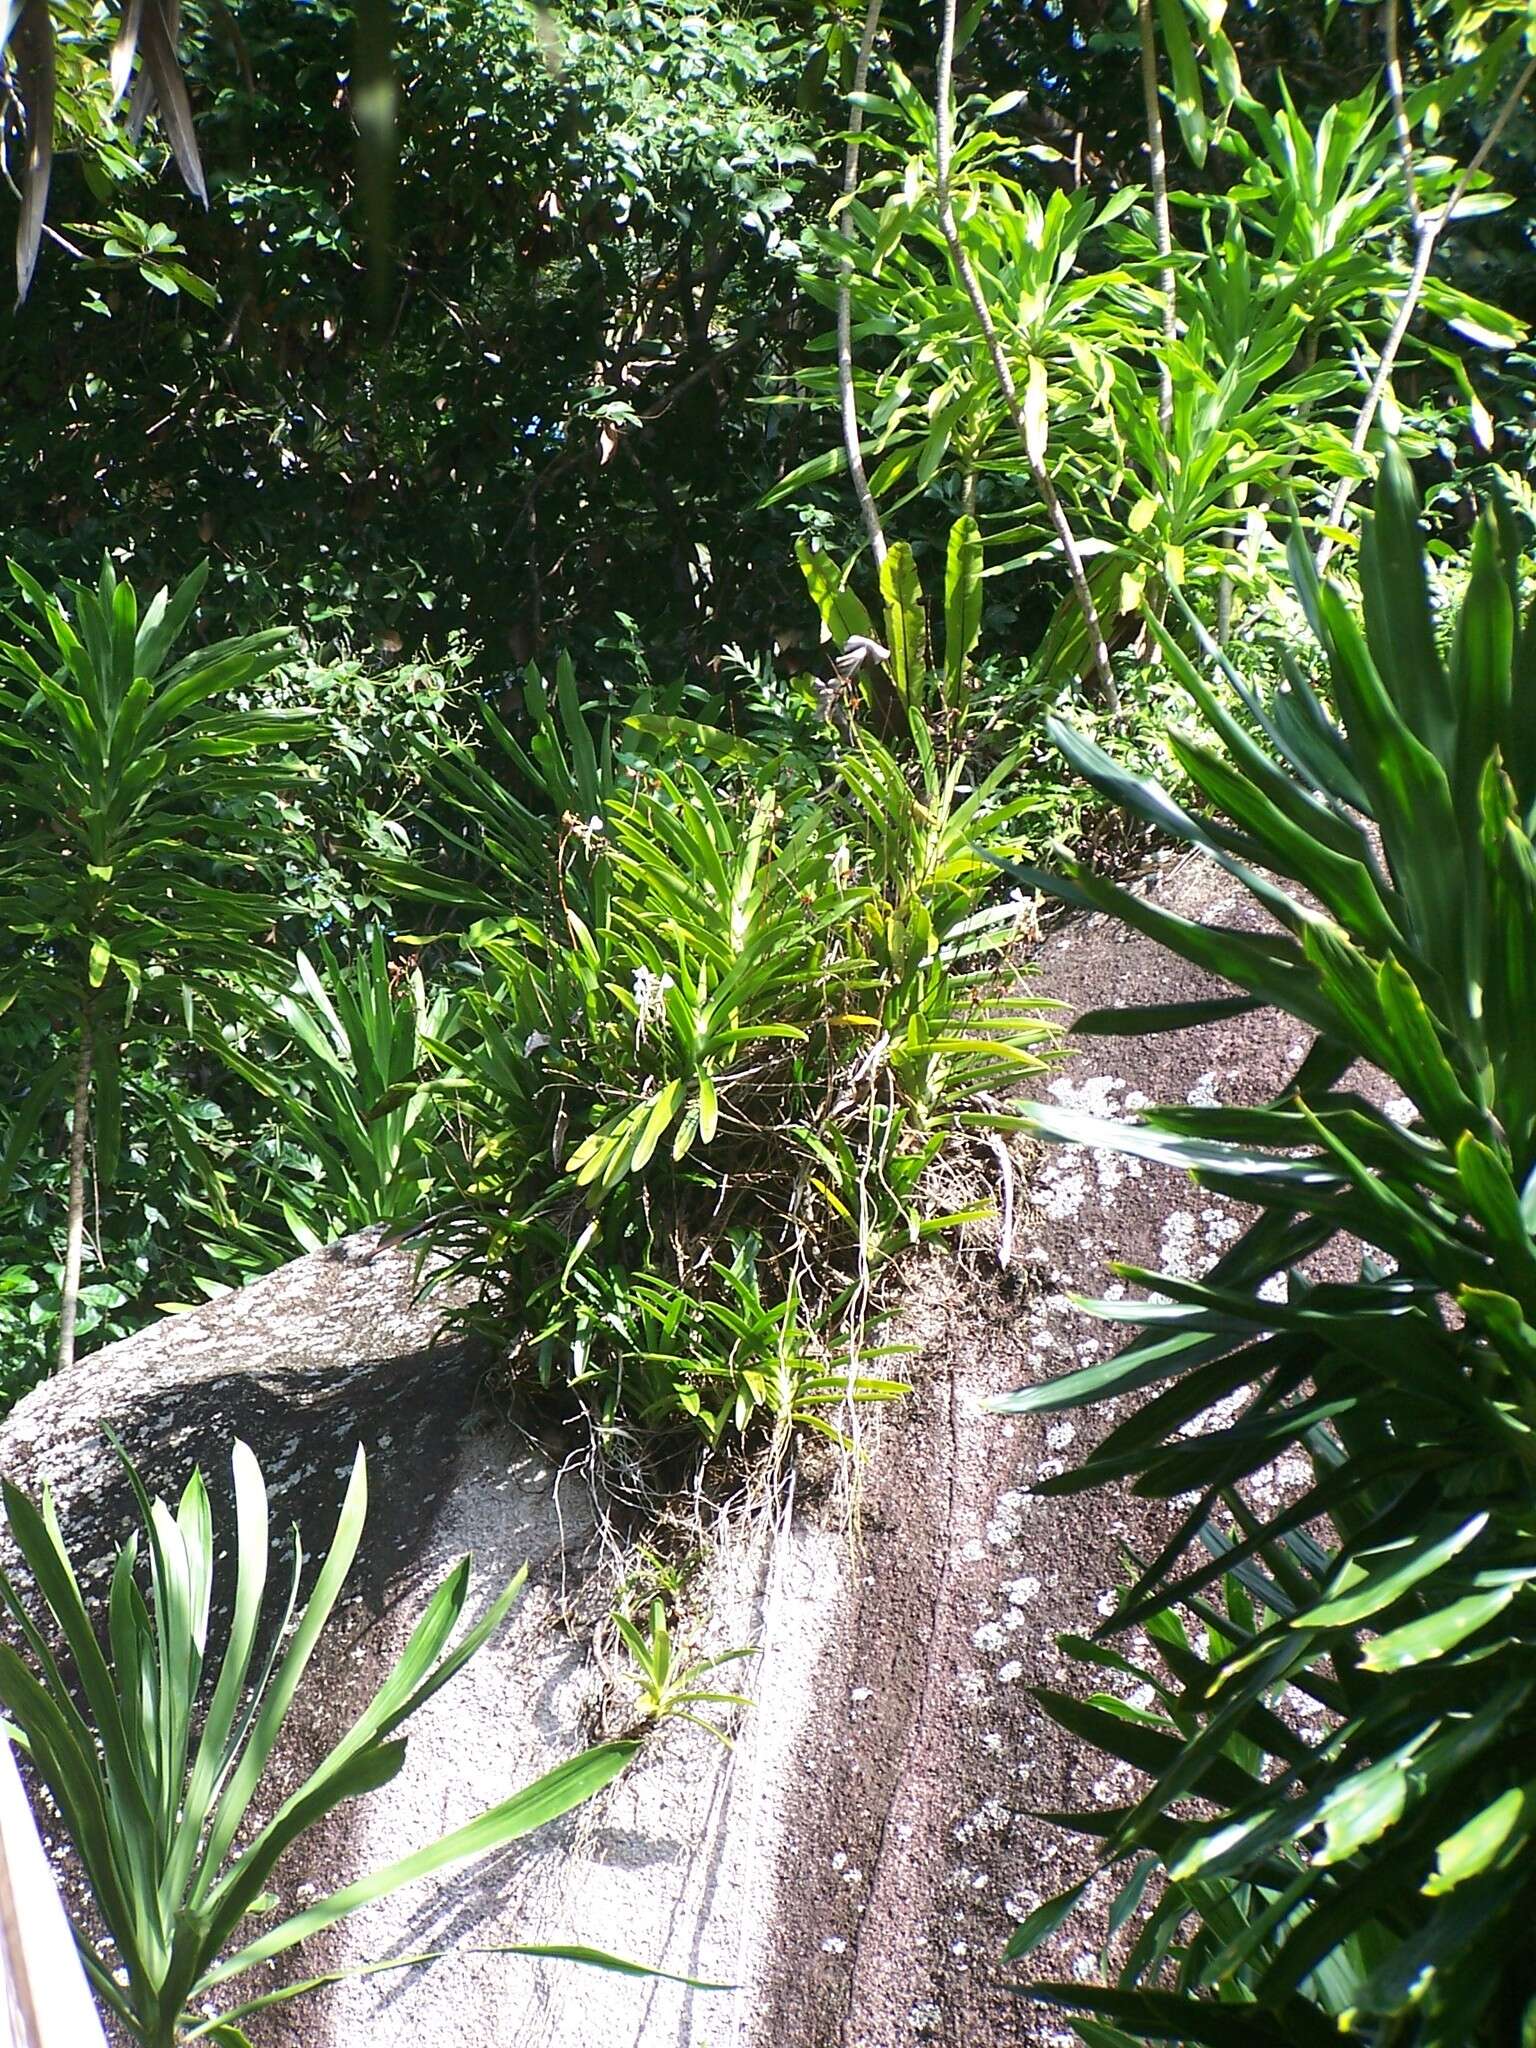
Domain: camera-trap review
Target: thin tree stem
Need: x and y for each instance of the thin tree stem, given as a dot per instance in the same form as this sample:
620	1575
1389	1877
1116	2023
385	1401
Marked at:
852	445
69	1292
971	284
1157	158
1400	115
1430	227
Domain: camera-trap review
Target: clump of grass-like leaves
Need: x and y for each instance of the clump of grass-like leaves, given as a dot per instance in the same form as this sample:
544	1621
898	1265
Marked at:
729	1004
157	1757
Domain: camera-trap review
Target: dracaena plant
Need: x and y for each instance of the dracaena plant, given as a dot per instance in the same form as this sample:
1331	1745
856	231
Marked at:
1338	1805
126	838
353	1086
157	1757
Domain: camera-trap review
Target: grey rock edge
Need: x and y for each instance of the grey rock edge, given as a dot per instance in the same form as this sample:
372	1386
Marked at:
854	1865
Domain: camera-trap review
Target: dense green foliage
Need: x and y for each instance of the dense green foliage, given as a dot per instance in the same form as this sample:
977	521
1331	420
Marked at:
563	830
729	1006
1371	1868
593	266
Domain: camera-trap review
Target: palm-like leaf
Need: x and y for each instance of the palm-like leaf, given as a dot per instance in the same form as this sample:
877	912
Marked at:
125	849
1375	1875
356	1087
128	771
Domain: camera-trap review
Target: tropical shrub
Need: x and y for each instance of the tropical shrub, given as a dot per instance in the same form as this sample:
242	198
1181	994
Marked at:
126	857
157	1764
730	1006
212	1172
1164	389
351	1086
1337	1818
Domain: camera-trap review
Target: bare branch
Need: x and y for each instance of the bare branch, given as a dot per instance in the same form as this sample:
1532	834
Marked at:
965	271
851	443
69	1288
1157	158
1430	228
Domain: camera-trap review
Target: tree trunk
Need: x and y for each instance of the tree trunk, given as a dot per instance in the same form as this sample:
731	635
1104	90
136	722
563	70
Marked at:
69	1294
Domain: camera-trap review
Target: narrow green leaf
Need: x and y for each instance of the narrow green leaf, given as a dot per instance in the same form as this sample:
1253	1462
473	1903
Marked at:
1434	1635
1476	1843
1361	1590
1043	1922
962	602
568	1785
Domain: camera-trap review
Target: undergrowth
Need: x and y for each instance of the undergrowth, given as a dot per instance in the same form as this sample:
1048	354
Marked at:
723	1007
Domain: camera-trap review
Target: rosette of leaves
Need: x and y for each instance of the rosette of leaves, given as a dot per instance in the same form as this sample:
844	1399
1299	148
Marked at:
156	1756
137	777
1337	1832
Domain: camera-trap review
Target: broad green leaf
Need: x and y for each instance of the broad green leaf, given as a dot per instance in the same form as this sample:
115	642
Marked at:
240	1787
841	612
1188	92
904	625
962	602
1397	610
1362	1809
1475	1844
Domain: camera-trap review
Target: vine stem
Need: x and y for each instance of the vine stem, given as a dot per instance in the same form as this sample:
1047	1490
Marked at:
1427	231
853	448
69	1291
1109	697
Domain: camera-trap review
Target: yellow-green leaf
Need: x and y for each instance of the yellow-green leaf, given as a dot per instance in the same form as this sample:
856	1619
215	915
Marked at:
709	1108
1421	1641
1037	411
1473	1846
657	1124
1142	514
962	600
